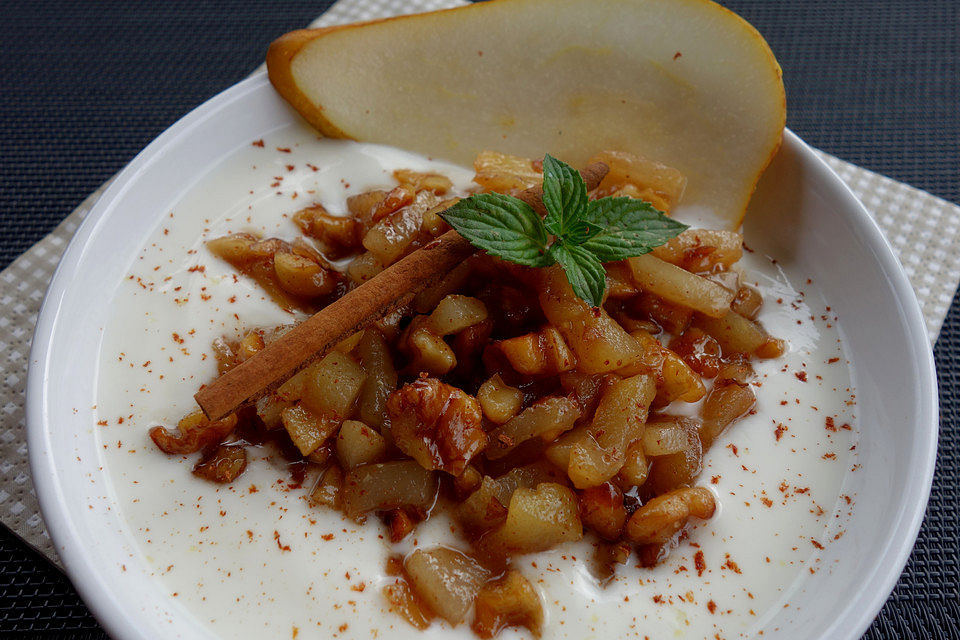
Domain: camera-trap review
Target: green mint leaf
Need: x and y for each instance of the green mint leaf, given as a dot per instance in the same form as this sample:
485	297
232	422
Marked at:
503	226
565	199
626	227
584	271
587	233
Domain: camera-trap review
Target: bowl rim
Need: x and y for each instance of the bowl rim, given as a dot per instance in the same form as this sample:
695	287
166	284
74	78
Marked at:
861	610
852	621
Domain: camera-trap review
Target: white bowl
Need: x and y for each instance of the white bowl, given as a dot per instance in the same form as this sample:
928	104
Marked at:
801	213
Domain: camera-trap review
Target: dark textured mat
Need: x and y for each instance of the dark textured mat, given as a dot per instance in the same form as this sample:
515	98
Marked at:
87	85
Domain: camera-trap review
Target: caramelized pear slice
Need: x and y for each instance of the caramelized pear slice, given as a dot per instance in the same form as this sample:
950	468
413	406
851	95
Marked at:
685	82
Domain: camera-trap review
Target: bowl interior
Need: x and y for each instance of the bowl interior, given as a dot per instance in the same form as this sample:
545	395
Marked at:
801	213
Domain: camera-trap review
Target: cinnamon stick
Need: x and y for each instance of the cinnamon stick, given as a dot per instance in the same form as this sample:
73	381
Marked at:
389	290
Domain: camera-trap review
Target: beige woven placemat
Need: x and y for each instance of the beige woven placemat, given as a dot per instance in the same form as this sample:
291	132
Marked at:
922	228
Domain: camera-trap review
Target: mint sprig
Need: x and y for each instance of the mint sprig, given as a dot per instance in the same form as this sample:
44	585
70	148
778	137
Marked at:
585	233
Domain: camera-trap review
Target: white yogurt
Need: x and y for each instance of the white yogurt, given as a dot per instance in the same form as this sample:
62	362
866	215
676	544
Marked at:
252	559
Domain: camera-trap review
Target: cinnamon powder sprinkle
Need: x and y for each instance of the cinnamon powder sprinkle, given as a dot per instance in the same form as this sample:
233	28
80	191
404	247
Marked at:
778	432
282	547
700	563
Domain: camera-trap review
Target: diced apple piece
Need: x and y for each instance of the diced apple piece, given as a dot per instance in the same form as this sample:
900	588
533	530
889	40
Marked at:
455	313
448	580
658	520
679	286
509	601
499	401
553	414
308	430
504	173
376	361
540	353
600	344
359	444
537	519
327	491
601	508
735	333
482	509
334	385
652	181
729	400
674	470
702	250
388	485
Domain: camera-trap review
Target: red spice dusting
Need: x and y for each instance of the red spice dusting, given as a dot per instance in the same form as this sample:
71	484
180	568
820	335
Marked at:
197	268
778	432
342	627
358	587
767	502
177	338
830	425
677	55
712	606
730	564
258	143
733	448
816	544
102	423
832	360
253	488
801	376
283	149
282	547
700	563
327	536
829	456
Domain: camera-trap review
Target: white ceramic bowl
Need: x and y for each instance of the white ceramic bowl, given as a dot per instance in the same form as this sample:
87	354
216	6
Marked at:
801	213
